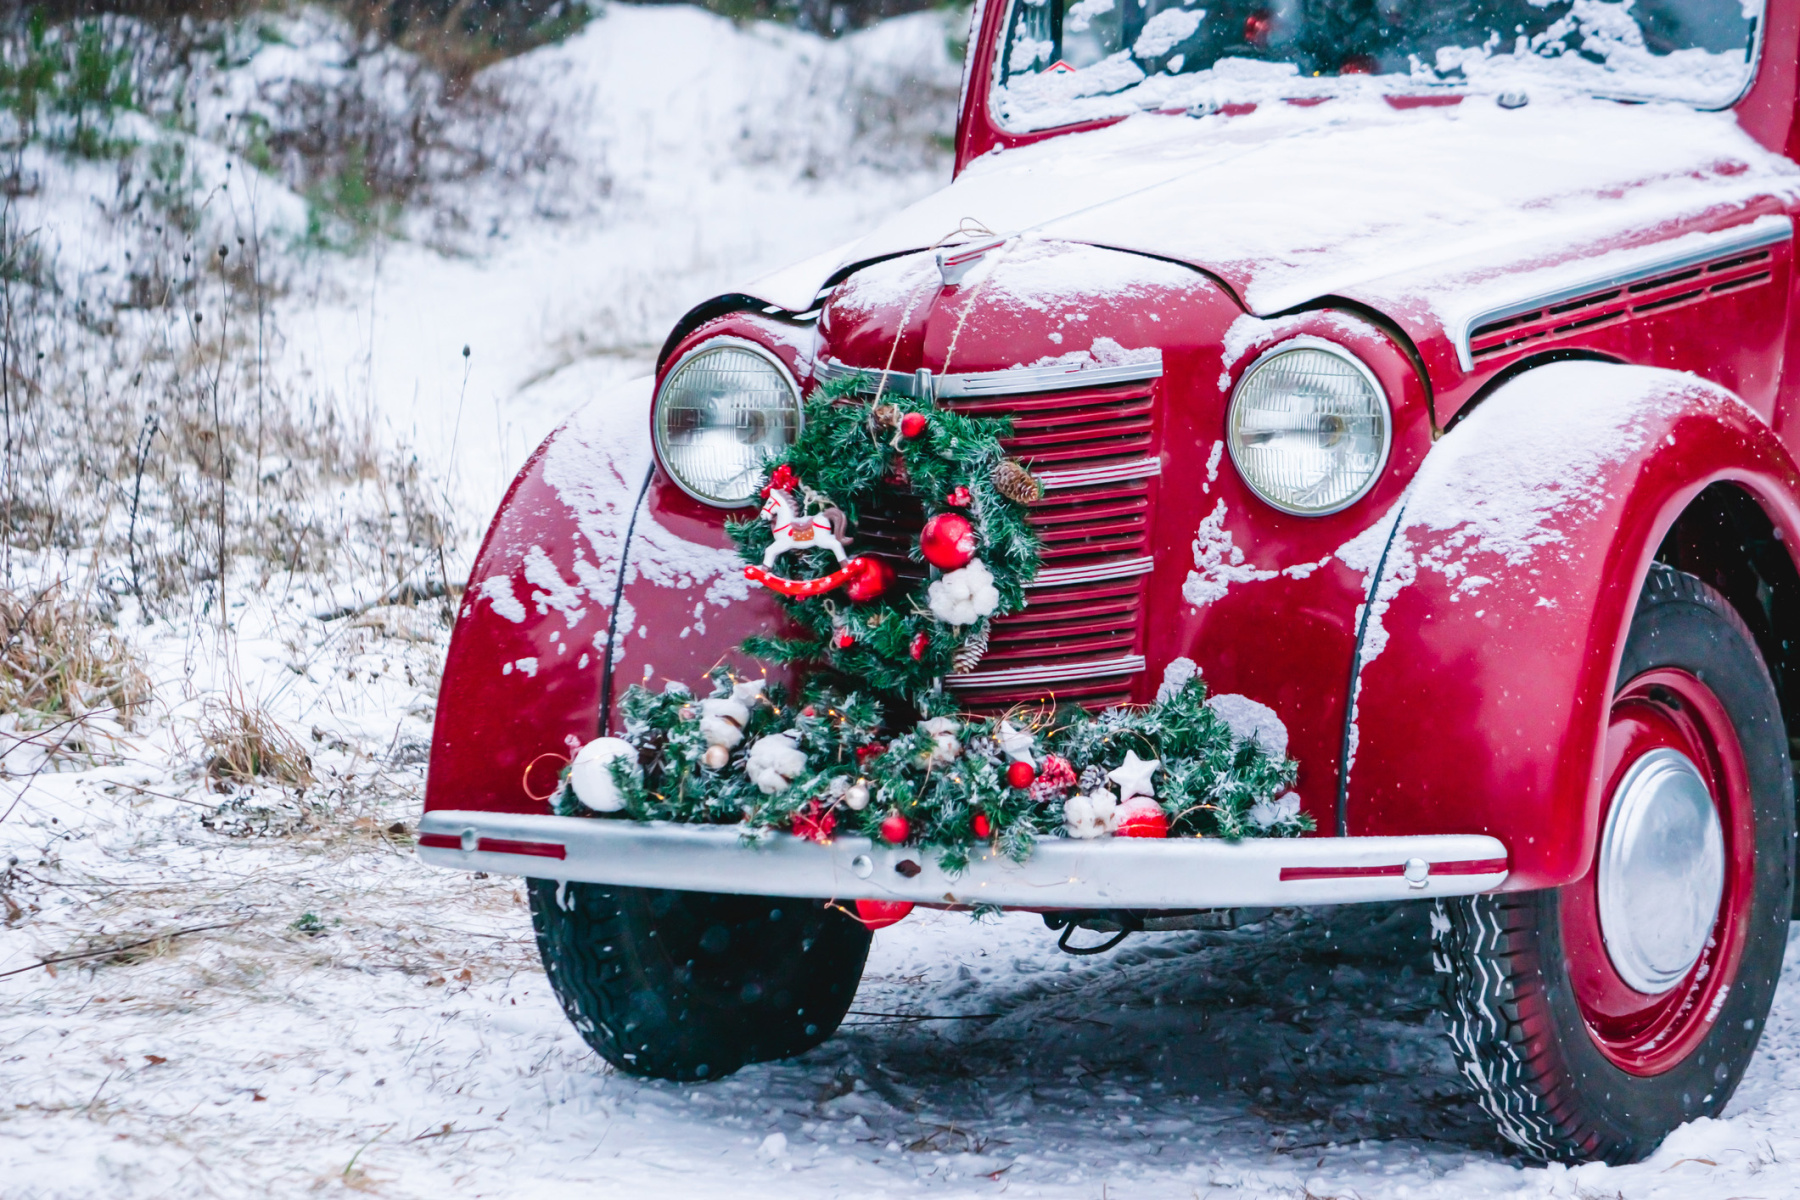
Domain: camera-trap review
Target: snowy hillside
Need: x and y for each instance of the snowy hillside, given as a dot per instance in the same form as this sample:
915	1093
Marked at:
258	419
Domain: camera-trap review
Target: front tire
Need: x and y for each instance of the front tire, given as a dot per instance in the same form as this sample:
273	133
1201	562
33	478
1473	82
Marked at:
1575	1045
691	986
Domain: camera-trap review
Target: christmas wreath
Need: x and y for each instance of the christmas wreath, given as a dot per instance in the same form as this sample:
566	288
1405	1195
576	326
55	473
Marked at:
872	743
891	625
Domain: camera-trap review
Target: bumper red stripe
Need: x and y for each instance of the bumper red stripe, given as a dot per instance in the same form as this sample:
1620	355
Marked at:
488	845
1481	866
508	846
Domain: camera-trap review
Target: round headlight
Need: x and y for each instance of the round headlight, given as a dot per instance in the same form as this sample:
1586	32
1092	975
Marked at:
1308	428
727	407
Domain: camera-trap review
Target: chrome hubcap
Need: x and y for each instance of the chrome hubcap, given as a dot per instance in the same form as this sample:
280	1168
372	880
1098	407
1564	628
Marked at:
1661	871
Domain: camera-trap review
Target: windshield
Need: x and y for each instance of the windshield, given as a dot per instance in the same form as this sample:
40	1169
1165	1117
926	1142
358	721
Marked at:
1077	60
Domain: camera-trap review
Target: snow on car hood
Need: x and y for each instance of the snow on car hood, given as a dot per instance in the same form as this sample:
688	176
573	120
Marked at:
1412	209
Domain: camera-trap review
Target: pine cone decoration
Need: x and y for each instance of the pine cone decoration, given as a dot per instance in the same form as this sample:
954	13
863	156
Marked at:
973	647
983	746
885	416
1015	482
1093	778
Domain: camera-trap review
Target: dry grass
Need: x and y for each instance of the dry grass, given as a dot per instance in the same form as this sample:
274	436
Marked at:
58	658
244	745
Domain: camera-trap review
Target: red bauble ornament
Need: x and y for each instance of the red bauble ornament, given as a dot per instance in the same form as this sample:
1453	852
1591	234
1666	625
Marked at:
895	829
843	639
913	424
920	641
982	827
948	541
873	578
1142	819
879	914
809	711
960	497
1021	774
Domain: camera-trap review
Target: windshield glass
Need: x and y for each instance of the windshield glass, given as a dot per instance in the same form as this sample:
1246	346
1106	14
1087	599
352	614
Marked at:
1077	60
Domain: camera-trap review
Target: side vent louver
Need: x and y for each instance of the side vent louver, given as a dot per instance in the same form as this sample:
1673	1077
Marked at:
1620	303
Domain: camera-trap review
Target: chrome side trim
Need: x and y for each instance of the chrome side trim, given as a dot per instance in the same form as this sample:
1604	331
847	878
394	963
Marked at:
1061	872
1064	672
1097	572
1137	468
1013	381
1764	231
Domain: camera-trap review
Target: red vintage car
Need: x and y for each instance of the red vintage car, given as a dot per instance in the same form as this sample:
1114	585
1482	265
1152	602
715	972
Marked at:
1416	370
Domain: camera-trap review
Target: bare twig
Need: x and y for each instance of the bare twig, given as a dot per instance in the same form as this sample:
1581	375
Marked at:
120	949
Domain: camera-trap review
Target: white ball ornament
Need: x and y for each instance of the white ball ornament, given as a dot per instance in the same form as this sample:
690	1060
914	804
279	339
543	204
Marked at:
591	773
857	797
715	758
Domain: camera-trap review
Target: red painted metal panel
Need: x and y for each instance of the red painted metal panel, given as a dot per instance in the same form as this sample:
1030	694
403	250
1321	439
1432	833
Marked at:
1485	711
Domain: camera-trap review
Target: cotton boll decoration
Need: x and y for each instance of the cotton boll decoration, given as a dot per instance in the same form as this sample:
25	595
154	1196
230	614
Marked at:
946	748
774	761
1090	814
722	721
964	597
591	773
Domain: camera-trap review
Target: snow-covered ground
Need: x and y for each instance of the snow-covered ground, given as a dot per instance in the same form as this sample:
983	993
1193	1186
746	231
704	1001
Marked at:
255	992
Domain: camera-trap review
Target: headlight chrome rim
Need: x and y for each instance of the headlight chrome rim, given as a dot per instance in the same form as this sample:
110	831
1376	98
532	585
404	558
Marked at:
1383	409
657	412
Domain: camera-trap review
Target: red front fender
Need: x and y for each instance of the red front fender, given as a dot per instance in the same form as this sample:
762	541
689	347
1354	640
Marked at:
526	671
1507	578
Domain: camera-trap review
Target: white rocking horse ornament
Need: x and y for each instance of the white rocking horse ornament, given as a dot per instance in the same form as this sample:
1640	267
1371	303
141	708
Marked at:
821	530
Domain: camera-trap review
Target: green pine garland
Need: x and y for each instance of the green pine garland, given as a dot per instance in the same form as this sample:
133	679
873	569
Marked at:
849	753
1208	785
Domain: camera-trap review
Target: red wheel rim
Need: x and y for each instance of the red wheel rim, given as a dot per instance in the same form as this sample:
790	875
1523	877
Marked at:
1640	1034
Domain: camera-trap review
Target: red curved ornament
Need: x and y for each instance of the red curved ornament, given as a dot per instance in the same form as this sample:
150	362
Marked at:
879	914
800	589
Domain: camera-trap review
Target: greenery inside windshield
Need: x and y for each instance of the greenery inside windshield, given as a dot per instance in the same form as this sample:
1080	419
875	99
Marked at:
1073	60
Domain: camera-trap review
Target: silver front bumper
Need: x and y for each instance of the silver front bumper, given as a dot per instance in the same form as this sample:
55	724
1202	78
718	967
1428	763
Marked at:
1135	873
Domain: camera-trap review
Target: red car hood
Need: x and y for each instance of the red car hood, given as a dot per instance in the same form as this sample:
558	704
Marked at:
1429	213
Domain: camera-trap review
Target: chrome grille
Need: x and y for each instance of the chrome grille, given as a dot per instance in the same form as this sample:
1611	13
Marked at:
1080	635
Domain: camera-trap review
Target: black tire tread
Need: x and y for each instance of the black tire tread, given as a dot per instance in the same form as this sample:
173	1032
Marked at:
623	964
1492	951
